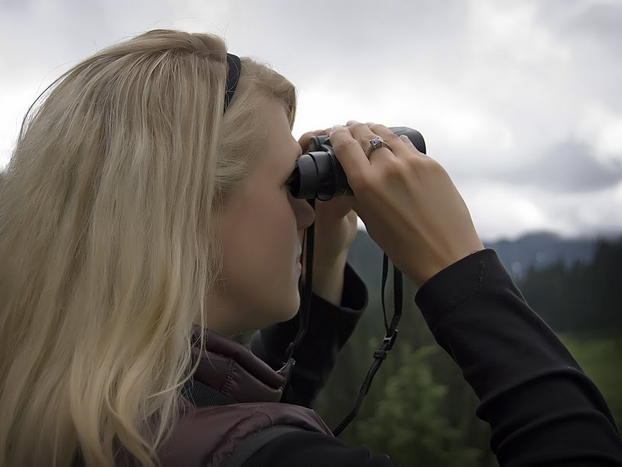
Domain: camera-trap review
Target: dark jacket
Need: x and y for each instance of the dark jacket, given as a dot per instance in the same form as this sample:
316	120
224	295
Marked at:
254	376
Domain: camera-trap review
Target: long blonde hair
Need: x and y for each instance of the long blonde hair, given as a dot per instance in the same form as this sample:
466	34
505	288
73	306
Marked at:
108	244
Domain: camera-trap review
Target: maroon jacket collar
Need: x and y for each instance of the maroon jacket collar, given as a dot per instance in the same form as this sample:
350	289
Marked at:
235	371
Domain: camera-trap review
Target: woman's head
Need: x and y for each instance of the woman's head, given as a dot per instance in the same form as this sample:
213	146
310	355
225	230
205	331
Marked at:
128	209
262	228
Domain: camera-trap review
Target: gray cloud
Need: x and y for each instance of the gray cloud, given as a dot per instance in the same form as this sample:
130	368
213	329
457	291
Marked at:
592	31
568	167
482	79
600	22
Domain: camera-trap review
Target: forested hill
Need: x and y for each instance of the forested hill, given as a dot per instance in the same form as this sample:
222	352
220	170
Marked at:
574	285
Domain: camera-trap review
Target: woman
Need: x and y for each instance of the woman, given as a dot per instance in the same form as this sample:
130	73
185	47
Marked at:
141	222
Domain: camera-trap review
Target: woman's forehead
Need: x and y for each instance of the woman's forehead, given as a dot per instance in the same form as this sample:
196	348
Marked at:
279	141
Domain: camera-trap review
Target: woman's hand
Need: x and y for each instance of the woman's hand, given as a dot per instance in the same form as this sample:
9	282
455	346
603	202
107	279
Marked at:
335	230
408	202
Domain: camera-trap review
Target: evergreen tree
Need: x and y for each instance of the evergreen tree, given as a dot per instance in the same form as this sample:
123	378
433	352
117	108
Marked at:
407	423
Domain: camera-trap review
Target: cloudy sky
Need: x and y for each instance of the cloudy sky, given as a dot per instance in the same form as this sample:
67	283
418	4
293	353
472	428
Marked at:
519	100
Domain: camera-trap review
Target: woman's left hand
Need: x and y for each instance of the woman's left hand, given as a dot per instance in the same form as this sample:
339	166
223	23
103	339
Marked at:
334	228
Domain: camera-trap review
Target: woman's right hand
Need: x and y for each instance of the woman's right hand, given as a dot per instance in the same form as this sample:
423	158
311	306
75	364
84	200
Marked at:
409	205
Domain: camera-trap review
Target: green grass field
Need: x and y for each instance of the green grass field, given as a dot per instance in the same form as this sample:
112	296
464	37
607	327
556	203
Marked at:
601	360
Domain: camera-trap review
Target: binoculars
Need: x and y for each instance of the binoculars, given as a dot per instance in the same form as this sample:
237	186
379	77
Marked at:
318	173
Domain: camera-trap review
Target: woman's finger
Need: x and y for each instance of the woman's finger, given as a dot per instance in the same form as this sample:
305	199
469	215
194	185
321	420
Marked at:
303	141
364	134
350	155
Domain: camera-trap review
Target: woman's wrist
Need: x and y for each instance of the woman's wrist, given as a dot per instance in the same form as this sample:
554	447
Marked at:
422	277
328	281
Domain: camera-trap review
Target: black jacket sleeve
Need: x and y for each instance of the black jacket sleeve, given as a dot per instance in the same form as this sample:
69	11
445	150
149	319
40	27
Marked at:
542	408
330	326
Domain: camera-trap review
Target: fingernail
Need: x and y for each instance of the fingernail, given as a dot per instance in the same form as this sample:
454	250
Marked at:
351	122
335	127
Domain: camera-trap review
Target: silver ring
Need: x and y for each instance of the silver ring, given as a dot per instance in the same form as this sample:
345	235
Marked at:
376	143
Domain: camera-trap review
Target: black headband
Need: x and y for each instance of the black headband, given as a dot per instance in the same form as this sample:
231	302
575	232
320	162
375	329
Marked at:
234	67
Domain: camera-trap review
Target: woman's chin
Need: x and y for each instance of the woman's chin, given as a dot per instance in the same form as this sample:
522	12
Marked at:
295	306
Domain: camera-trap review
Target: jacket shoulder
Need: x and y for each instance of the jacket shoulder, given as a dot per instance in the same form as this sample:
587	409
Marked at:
207	436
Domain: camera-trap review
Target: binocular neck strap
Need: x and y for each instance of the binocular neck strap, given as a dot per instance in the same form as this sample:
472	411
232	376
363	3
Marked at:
387	342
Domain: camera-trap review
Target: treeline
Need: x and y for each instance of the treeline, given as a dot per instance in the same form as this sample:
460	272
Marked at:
581	298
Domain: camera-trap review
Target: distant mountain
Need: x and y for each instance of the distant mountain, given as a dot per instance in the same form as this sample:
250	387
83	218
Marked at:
541	249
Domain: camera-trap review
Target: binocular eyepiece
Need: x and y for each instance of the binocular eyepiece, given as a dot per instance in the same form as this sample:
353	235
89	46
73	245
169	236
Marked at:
318	173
